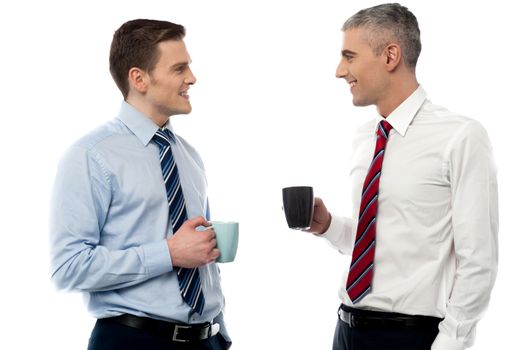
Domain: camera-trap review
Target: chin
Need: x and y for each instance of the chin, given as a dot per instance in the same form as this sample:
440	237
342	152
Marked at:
360	103
185	110
188	109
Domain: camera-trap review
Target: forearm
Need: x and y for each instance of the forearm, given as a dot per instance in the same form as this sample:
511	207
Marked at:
97	268
82	257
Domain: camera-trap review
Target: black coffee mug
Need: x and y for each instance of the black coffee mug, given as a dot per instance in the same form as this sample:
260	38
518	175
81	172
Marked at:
298	205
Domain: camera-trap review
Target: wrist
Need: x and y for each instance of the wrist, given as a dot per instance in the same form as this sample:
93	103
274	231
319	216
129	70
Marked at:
326	226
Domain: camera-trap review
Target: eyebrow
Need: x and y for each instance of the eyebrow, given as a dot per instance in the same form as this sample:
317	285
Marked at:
348	53
179	65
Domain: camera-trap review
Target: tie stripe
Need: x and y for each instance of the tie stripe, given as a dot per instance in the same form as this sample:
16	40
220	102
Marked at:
369	205
189	279
384	127
359	280
366	189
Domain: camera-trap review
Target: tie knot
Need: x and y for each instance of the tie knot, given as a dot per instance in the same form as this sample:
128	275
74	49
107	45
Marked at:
162	137
383	129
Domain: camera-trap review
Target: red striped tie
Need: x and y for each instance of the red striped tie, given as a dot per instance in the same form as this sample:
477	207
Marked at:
360	277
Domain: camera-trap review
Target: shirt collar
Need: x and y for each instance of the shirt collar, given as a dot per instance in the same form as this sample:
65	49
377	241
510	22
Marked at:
139	124
403	115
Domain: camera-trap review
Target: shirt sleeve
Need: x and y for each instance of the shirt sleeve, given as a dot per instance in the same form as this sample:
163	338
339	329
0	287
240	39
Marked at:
80	202
340	234
472	175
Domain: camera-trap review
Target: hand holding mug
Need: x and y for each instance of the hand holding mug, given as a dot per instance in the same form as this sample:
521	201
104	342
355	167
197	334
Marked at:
190	247
321	218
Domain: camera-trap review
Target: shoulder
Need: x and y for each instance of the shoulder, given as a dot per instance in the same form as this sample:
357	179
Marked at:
446	121
100	134
460	135
87	148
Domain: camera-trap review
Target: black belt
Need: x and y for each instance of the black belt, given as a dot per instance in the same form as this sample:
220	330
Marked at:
177	332
365	319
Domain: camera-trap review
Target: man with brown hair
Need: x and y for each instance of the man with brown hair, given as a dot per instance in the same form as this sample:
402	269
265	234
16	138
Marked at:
130	208
422	236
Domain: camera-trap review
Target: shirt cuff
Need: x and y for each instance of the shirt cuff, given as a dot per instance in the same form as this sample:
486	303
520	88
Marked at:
157	258
443	342
219	319
335	229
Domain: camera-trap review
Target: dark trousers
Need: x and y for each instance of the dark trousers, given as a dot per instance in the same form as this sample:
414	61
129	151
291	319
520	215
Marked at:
347	338
115	336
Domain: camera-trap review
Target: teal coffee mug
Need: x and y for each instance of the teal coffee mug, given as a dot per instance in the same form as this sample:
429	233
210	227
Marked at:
227	236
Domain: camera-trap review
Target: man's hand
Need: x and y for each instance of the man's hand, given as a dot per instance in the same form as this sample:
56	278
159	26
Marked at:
191	248
321	219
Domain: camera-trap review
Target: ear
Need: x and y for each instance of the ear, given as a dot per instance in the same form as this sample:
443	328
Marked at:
393	56
138	79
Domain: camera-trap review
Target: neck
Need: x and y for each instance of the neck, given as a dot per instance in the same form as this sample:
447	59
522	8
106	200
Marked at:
398	91
147	109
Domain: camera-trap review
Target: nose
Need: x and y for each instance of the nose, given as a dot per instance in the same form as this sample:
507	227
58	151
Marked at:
190	78
341	70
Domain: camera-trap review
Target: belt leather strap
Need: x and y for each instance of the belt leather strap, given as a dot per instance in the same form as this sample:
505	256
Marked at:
364	319
177	332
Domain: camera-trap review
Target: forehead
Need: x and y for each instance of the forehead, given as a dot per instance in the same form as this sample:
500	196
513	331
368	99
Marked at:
172	52
355	39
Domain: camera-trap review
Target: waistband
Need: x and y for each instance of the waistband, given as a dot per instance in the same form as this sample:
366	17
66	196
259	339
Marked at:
365	319
177	332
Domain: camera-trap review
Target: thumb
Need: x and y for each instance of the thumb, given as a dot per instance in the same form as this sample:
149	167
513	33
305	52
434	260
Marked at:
318	202
198	221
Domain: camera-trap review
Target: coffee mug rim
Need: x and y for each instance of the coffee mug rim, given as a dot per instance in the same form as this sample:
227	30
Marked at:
292	187
223	222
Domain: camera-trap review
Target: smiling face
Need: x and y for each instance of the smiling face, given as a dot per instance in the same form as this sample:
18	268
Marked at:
169	81
364	71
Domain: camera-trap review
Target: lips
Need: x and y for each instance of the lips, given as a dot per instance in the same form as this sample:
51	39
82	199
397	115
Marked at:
184	94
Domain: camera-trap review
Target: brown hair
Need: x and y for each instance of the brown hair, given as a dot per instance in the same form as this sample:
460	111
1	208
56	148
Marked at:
135	45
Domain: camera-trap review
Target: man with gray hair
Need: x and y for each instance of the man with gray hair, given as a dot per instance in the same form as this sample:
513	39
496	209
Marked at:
422	236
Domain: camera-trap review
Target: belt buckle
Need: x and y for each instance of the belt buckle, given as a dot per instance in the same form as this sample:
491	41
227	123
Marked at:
353	321
176	333
346	317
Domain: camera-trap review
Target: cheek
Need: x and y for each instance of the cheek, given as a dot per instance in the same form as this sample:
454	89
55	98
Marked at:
362	73
372	78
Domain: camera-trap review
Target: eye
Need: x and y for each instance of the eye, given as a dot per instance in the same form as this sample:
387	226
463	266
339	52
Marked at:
180	69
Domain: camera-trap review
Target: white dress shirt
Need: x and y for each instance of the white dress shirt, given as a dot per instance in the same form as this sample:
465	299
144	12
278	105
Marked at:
437	220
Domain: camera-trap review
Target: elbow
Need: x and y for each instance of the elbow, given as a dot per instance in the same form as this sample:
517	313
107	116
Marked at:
62	280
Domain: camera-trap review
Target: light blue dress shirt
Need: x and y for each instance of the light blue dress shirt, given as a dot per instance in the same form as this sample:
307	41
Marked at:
109	223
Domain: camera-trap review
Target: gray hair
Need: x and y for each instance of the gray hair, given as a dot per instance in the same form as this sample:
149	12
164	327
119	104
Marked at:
389	23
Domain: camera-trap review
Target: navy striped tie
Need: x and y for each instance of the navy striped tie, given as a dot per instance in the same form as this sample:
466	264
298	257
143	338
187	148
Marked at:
360	278
189	279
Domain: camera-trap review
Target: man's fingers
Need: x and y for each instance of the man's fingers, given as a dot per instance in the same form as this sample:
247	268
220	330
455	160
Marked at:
215	253
198	221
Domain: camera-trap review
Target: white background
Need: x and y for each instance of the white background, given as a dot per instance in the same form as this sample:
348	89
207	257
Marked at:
268	113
